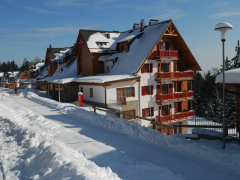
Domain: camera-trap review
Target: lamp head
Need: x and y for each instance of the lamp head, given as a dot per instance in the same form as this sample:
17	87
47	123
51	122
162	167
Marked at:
223	27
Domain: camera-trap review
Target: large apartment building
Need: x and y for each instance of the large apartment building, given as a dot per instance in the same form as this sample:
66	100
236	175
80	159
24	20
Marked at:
146	71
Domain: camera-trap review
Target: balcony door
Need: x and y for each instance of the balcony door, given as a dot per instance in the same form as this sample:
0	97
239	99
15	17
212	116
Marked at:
165	67
121	98
165	89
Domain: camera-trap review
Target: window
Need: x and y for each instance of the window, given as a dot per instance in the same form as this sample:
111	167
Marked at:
165	67
107	68
91	92
132	112
179	107
147	68
189	105
179	87
189	85
165	89
148	112
165	110
101	43
165	45
123	47
147	90
81	90
123	93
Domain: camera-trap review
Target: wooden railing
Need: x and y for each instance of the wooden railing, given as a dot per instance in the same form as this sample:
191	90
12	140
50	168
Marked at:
174	75
173	117
174	96
166	54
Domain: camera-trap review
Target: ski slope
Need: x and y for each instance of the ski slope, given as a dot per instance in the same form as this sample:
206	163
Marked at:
115	148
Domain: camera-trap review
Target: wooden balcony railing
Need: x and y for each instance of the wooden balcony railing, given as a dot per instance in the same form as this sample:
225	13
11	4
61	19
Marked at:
174	117
166	54
173	75
174	96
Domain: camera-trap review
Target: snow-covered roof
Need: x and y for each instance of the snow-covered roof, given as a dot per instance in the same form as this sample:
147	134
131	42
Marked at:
130	62
99	42
102	78
37	66
63	54
12	74
42	74
231	76
67	72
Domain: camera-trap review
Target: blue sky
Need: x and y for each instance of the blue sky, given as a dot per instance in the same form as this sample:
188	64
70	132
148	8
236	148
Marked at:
28	27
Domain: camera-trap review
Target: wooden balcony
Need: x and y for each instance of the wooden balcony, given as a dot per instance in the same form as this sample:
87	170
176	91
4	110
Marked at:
175	117
174	96
168	54
174	75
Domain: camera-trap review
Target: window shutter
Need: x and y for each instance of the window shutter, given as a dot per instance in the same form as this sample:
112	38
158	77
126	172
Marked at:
143	90
152	111
158	89
151	89
170	131
170	88
151	67
143	113
169	67
142	70
170	109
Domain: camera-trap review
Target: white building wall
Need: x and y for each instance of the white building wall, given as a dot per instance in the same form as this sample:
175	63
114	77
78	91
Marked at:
148	101
112	91
98	93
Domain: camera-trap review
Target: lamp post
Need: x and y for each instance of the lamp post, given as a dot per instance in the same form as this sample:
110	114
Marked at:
52	60
223	27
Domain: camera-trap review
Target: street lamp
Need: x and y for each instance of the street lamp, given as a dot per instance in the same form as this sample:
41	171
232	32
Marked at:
52	60
223	27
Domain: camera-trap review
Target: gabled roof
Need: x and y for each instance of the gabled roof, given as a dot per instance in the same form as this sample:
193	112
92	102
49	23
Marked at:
52	51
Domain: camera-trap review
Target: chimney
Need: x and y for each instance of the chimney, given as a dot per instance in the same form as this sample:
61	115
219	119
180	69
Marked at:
136	26
108	35
142	24
153	21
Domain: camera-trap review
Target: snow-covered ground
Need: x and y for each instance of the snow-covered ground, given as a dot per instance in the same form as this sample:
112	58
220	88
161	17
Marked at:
43	139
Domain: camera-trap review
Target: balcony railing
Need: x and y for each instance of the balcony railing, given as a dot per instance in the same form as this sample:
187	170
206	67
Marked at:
173	75
166	54
175	117
174	96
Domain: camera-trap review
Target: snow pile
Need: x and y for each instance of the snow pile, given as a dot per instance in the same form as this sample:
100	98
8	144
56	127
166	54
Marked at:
226	158
28	150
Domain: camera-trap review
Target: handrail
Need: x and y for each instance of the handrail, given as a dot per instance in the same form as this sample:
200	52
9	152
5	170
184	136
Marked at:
174	96
166	53
174	75
172	117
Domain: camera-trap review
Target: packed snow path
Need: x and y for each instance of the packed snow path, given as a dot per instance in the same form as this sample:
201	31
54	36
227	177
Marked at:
130	158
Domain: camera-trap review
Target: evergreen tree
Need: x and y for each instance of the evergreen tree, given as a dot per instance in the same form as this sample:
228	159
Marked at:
4	67
24	65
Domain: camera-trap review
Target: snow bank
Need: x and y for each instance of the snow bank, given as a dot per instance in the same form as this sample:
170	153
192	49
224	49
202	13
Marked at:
226	157
28	151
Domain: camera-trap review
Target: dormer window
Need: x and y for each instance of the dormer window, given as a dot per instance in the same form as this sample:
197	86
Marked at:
101	43
124	47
